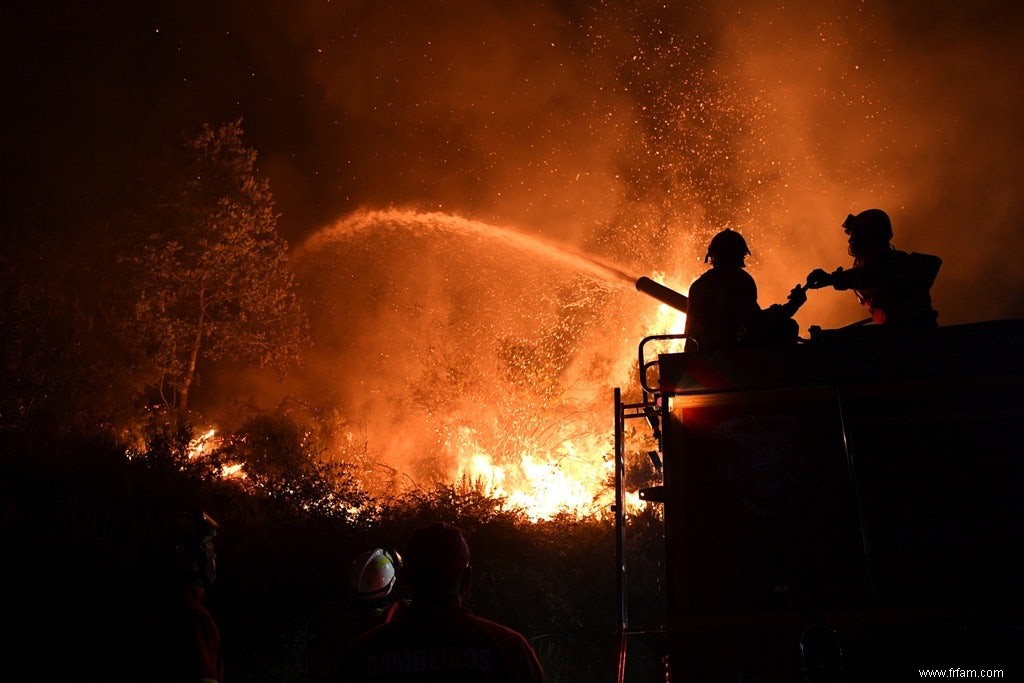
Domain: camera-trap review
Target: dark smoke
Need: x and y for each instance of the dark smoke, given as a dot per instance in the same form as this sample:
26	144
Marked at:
642	128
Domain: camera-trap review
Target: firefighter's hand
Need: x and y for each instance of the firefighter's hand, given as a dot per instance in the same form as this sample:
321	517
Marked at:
797	296
818	278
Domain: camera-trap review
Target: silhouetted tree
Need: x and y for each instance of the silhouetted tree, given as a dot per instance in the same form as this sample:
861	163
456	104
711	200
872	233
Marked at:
213	279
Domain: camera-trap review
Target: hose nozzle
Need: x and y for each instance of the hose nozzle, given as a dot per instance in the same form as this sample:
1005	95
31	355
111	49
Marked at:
667	296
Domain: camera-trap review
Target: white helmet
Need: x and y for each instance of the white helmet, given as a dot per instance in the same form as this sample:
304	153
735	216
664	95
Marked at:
374	573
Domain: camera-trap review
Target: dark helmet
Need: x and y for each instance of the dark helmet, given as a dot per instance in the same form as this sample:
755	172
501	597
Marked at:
374	572
437	559
871	227
727	245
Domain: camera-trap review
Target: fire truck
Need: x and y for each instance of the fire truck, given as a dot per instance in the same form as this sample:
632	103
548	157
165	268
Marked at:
846	508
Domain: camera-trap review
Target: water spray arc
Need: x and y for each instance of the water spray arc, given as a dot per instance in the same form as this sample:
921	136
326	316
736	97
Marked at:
600	269
495	351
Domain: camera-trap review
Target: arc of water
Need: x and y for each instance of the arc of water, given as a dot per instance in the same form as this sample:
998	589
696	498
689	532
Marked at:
360	221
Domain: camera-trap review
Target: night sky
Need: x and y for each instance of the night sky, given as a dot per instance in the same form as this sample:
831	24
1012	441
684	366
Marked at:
571	119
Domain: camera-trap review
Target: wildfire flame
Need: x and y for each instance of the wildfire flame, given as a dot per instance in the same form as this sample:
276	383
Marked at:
476	355
545	453
573	478
569	480
202	445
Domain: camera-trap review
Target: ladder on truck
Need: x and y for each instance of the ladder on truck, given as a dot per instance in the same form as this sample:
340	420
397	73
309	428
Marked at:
653	408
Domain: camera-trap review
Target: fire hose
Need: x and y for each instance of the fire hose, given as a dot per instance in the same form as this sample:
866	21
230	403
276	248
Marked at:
669	297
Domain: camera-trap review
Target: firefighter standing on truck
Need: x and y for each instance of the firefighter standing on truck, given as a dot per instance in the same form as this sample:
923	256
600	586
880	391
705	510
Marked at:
723	309
893	285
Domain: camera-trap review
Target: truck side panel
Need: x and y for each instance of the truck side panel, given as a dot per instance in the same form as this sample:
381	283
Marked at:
882	507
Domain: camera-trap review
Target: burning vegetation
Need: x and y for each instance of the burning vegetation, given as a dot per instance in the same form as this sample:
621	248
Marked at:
444	370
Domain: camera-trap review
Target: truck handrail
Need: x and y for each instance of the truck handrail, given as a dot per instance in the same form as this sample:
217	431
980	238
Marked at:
645	365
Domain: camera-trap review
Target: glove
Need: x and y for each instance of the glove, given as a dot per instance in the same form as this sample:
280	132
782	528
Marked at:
797	296
818	278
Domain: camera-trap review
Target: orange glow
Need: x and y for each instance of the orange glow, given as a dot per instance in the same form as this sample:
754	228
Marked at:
478	355
202	444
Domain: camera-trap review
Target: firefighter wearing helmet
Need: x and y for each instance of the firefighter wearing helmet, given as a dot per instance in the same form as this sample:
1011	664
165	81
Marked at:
372	599
894	286
436	638
197	557
723	309
867	231
180	638
727	246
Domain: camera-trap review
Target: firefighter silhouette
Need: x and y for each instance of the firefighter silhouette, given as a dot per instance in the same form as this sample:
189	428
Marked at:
372	599
723	309
893	285
180	641
435	638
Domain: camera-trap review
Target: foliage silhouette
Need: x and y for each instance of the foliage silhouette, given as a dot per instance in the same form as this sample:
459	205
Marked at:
89	517
212	280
